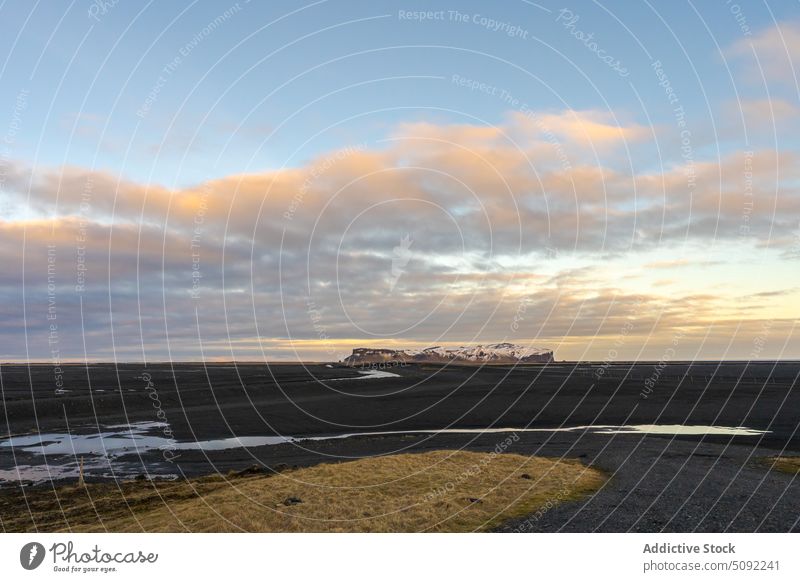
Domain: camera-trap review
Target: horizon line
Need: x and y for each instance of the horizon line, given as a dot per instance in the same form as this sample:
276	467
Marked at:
217	362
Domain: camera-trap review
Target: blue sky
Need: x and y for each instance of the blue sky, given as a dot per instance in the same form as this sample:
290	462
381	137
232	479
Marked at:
584	163
88	76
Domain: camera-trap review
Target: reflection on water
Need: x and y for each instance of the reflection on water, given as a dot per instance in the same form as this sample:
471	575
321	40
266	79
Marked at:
366	375
679	429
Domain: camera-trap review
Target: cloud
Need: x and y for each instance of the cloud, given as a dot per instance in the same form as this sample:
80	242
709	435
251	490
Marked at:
756	111
670	264
496	218
770	54
588	127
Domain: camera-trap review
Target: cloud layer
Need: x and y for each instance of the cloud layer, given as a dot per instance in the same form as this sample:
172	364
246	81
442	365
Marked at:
508	229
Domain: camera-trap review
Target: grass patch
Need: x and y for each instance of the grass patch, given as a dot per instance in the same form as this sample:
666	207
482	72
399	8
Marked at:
785	464
446	491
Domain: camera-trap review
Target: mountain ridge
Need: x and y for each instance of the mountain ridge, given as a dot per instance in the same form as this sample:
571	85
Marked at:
496	353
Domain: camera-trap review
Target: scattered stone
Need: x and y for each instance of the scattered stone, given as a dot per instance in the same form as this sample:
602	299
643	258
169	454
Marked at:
292	501
525	476
474	500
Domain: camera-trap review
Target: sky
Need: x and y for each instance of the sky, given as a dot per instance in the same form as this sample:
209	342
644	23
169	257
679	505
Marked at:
292	180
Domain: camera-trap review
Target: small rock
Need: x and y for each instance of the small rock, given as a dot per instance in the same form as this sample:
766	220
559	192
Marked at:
251	470
292	501
473	500
525	476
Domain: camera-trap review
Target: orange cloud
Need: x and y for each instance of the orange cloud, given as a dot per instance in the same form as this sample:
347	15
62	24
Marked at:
591	128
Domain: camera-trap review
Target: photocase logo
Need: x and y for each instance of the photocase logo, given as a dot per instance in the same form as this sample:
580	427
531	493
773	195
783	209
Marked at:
401	254
31	555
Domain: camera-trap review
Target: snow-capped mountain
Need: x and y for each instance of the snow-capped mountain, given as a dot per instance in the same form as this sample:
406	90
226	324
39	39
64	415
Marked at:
502	353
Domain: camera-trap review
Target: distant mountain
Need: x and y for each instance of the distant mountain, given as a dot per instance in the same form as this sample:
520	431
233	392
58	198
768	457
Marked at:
503	353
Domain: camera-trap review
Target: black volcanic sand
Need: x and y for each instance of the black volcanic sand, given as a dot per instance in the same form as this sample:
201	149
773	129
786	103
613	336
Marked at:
657	483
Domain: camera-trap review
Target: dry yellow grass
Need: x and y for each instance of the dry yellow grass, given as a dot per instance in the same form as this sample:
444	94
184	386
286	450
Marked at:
786	464
451	491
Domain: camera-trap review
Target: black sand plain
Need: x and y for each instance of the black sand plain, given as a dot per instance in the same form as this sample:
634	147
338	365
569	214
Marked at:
671	483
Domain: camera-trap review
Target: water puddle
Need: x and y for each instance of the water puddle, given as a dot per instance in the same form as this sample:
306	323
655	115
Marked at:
71	470
133	438
657	429
101	452
130	438
366	375
679	429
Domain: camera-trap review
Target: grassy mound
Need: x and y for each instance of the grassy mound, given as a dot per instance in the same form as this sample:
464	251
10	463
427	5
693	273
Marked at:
786	464
450	491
